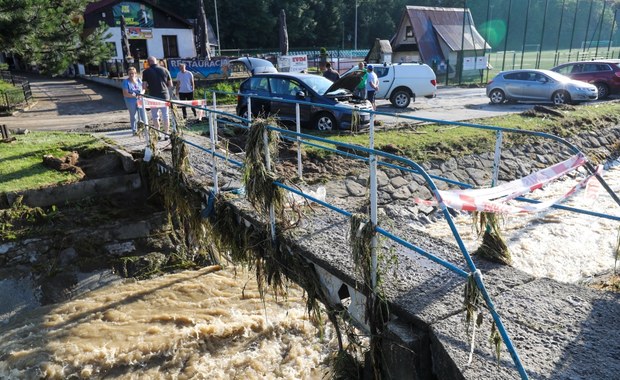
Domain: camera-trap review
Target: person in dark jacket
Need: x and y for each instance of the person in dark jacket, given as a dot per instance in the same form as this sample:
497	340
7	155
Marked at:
158	82
330	73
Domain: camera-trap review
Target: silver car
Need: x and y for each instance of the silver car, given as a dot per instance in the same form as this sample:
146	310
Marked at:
537	85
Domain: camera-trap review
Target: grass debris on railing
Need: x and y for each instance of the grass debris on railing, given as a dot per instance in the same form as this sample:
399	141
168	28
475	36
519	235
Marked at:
493	245
259	181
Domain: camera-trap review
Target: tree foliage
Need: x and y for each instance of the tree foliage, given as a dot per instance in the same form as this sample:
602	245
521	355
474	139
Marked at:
253	24
49	33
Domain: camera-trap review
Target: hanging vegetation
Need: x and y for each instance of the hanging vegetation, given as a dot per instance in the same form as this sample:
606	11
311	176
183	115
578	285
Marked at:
493	245
495	339
180	154
183	203
259	181
360	239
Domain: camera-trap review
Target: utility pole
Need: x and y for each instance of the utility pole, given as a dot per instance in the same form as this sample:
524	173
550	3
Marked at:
355	25
217	29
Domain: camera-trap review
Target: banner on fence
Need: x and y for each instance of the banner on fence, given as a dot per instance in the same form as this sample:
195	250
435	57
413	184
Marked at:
293	63
214	68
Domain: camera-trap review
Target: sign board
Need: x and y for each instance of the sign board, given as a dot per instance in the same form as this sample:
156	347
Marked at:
134	33
215	68
292	63
475	63
136	14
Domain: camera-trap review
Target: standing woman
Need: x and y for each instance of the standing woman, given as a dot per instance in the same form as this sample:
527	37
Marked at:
132	89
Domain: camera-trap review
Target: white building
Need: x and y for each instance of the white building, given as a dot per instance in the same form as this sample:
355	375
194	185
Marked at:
151	30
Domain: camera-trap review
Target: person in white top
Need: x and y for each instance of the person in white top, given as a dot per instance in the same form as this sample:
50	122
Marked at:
185	87
372	85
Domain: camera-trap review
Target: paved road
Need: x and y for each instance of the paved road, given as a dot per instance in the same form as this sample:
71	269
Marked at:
454	104
64	103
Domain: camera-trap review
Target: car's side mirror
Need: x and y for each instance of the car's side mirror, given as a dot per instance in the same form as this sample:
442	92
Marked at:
300	95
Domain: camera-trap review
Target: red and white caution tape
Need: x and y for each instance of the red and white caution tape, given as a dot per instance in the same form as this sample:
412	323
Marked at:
494	199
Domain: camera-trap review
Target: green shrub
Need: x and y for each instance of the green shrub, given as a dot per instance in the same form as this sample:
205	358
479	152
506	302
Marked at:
229	88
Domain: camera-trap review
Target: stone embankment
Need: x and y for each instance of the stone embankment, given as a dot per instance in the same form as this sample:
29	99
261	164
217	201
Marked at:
397	188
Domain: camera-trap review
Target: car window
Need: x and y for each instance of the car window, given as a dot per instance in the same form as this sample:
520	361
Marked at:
590	67
294	88
564	70
381	71
318	83
603	67
279	86
577	68
514	76
260	85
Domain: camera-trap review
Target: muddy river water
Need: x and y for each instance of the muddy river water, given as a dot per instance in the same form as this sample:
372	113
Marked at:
213	325
191	325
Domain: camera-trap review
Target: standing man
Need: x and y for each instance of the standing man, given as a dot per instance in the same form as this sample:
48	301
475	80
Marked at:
360	90
185	87
372	85
158	82
330	73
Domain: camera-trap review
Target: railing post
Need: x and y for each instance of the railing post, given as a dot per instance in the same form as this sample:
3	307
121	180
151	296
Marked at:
214	101
146	121
249	111
298	129
497	158
373	203
213	138
24	92
272	212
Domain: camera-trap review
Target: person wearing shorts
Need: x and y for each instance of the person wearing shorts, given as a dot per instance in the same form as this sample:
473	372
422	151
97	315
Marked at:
158	82
372	85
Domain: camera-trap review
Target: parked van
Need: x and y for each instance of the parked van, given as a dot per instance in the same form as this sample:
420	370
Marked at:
400	82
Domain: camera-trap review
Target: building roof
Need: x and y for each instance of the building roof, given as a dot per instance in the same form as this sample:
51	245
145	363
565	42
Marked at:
430	24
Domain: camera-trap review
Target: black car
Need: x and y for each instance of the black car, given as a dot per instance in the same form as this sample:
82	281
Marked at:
310	88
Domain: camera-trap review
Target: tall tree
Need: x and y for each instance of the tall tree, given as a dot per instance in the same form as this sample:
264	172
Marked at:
50	33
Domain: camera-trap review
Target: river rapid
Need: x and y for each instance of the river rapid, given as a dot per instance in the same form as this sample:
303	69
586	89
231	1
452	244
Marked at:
193	325
562	245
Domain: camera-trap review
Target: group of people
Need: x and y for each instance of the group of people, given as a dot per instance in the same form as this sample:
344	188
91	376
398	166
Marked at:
368	85
157	81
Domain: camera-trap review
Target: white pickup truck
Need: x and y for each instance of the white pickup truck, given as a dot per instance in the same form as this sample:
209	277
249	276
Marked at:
398	82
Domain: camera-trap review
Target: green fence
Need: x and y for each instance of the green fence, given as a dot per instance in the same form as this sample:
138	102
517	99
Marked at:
18	93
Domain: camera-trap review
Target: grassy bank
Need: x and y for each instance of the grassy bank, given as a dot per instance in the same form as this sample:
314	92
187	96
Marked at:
22	160
433	141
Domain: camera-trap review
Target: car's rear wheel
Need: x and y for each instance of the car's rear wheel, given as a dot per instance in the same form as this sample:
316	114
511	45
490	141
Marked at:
497	96
560	97
400	98
325	122
603	90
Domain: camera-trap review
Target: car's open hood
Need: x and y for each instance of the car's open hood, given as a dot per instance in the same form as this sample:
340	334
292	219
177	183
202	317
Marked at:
348	82
255	65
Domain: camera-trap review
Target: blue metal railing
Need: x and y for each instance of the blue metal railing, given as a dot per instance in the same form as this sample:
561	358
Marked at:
407	166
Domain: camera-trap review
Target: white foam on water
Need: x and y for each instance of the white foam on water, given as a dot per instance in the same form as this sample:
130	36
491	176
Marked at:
563	245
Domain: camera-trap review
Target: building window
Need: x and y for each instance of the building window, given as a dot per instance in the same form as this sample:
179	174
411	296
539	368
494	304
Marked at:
171	49
408	32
